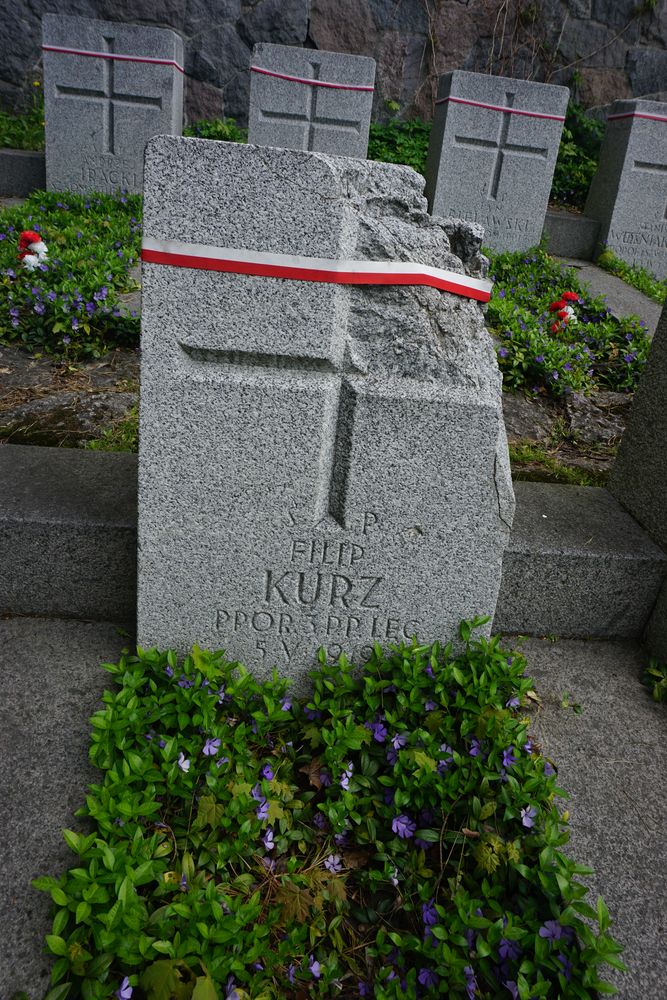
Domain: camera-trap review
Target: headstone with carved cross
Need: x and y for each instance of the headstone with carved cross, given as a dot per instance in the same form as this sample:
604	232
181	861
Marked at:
628	194
108	87
492	154
310	100
320	464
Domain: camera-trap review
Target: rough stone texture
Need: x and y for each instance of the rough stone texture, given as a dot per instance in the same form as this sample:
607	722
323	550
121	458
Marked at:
67	531
628	194
589	423
50	683
611	761
345	446
21	171
492	167
647	71
655	636
413	42
621	299
310	116
570	234
639	478
577	565
527	419
100	112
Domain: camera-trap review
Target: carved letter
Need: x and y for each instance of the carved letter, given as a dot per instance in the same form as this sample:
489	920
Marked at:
377	580
272	585
301	597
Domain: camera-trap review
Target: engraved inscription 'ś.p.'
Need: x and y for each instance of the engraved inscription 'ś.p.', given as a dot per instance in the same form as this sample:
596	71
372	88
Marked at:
109	97
502	147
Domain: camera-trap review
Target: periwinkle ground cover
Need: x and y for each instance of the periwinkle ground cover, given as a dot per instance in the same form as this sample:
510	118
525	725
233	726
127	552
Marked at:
395	835
539	353
69	305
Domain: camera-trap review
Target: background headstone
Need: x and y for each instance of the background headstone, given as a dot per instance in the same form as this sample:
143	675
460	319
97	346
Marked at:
100	111
639	477
628	194
310	116
491	166
319	464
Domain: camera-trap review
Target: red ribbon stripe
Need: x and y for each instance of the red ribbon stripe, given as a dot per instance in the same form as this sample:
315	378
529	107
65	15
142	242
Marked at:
637	114
296	268
112	55
309	81
498	107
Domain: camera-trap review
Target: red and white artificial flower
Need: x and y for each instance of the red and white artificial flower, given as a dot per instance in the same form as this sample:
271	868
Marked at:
33	251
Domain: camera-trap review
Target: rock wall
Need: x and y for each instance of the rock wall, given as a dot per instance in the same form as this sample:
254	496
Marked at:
604	49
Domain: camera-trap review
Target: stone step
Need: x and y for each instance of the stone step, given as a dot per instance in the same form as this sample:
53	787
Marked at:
577	564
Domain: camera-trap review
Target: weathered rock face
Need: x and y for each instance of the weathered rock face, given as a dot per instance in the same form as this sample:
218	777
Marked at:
622	54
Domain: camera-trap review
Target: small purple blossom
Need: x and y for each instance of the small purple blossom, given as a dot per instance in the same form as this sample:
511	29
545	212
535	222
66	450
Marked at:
429	913
398	740
551	930
257	793
528	816
320	821
333	864
475	748
403	826
183	763
184	883
502	352
549	769
428	978
513	702
312	714
211	747
124	991
221	760
379	731
315	967
471	982
263	811
184	682
67	339
325	778
430	705
567	966
267	772
285	706
513	988
347	774
508	950
509	759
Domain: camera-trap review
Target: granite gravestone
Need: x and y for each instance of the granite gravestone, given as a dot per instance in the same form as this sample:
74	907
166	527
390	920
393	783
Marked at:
628	194
639	477
311	100
320	464
492	154
108	87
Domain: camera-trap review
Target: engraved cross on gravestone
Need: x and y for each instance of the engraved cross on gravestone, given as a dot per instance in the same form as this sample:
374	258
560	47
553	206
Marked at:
108	96
501	146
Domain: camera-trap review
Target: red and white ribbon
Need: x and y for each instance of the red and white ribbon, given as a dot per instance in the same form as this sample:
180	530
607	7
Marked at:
112	55
637	114
310	81
296	268
499	107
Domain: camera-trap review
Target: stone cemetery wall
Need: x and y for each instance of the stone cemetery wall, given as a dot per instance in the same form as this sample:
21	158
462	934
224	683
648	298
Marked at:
108	88
319	463
616	47
331	114
492	154
628	194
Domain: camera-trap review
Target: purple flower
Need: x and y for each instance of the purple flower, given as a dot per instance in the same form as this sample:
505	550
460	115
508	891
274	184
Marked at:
513	702
528	745
267	772
509	760
475	748
333	864
428	978
184	883
320	821
67	339
124	991
567	966
403	826
285	706
429	913
502	352
263	811
549	769
291	968
528	816
471	982
347	774
508	950
379	731
39	308
363	989
221	760
183	763
169	672
398	740
184	682
513	988
430	706
325	778
211	747
315	967
551	930
539	358
312	714
257	793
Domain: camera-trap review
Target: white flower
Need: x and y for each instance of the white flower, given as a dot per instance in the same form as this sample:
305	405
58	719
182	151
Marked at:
31	261
183	763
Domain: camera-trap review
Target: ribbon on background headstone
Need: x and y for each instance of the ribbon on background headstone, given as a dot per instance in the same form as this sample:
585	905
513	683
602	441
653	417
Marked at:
310	81
199	256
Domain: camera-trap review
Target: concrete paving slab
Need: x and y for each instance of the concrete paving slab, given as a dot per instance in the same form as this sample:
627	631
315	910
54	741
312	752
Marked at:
50	684
611	758
622	299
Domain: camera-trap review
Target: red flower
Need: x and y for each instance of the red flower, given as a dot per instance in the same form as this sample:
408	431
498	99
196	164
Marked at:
559	304
555	327
564	314
27	237
570	296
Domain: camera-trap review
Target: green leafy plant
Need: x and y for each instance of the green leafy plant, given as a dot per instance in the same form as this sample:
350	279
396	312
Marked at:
69	306
123	436
225	129
578	155
539	351
636	276
394	834
655	677
400	142
24	131
534	463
